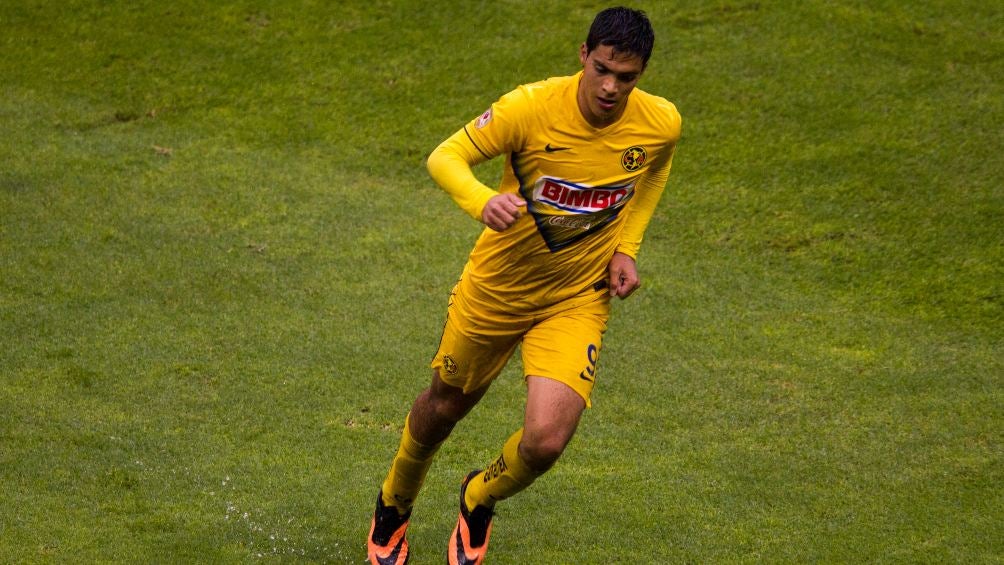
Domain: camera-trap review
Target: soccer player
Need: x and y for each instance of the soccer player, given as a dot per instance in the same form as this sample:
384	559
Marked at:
587	158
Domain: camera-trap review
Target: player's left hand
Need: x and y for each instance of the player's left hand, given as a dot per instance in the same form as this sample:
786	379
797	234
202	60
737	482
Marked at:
623	275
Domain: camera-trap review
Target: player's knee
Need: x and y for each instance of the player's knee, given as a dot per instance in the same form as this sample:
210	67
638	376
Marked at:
541	453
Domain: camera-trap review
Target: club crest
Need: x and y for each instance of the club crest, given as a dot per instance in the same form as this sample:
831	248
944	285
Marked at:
450	365
633	158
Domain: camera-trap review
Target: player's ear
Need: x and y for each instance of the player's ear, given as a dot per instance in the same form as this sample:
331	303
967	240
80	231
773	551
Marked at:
583	53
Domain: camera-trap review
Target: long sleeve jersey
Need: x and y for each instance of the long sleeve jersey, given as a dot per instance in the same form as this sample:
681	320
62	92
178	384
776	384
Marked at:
590	192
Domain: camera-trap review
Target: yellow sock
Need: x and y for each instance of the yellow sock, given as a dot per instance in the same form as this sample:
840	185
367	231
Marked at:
407	472
508	475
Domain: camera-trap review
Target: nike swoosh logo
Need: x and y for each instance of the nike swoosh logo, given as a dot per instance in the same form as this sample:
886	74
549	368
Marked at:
392	558
551	149
462	558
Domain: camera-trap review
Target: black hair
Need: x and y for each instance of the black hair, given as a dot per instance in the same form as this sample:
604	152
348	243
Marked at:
625	30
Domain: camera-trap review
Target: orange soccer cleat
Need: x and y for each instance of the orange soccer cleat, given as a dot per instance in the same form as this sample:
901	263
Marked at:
469	540
387	544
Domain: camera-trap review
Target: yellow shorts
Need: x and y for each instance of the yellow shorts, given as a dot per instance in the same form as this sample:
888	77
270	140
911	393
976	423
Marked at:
561	343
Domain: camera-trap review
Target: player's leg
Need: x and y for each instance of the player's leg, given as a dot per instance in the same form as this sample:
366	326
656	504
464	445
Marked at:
552	414
475	346
433	416
472	352
565	347
553	410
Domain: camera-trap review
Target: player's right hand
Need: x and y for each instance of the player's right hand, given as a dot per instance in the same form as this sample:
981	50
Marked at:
502	211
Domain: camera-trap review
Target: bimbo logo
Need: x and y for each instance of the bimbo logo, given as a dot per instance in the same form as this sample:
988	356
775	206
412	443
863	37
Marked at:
580	198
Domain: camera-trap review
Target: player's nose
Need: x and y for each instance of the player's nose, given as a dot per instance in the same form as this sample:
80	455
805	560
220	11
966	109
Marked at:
609	86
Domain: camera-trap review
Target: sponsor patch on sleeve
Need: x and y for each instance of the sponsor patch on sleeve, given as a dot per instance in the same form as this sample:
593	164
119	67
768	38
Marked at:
483	119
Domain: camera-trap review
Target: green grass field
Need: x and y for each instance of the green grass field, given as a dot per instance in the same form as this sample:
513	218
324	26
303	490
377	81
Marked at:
223	269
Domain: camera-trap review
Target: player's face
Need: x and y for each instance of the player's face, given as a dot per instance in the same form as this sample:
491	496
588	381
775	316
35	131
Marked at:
607	79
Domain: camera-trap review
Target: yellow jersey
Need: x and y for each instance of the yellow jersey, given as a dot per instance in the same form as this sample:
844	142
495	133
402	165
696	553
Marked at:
590	191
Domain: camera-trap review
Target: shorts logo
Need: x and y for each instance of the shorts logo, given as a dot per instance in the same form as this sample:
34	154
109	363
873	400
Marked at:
633	158
450	365
483	119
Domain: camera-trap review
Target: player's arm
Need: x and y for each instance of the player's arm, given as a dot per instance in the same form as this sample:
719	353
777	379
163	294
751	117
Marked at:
450	166
646	198
499	131
622	269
